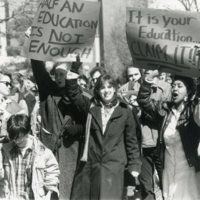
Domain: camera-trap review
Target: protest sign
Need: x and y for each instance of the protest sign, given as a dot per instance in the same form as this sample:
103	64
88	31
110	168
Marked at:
164	39
62	29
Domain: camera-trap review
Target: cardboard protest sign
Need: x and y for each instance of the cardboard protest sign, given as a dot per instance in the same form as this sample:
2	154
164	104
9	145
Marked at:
164	39
62	29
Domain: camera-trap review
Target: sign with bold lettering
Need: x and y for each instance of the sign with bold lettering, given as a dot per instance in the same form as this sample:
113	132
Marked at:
62	29
164	39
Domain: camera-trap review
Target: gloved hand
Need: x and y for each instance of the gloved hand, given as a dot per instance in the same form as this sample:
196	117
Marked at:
72	134
76	65
73	130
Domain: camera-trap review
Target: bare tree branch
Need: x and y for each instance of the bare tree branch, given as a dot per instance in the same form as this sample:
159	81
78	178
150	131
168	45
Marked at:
189	5
7	18
196	5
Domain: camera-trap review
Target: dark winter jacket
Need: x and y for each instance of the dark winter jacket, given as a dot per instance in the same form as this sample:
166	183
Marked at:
57	112
109	152
158	115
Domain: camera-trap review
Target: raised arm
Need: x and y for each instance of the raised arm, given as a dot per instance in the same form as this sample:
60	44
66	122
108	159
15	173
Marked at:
152	109
44	82
76	96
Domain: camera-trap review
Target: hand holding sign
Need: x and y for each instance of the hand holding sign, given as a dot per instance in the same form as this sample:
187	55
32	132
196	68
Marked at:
76	65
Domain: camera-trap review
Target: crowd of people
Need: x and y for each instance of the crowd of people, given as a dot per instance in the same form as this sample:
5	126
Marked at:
69	136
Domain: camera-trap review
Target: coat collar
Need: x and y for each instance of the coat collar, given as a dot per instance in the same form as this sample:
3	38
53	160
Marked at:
96	114
37	146
185	114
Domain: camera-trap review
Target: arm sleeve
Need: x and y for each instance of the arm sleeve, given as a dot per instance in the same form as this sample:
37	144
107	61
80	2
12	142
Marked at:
152	109
76	96
44	82
131	144
52	172
1	164
196	113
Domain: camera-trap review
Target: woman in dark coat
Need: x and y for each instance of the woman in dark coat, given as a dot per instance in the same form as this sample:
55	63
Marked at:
112	142
178	139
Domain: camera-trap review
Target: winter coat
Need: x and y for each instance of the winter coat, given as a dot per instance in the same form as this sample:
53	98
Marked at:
56	110
45	172
102	176
159	113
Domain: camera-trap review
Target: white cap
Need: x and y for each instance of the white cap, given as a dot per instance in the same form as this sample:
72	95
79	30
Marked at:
63	66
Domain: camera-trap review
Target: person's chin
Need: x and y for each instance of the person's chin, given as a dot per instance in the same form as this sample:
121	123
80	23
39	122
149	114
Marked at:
21	146
107	100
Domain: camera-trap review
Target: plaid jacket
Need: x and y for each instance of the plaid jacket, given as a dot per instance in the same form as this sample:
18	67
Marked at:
45	172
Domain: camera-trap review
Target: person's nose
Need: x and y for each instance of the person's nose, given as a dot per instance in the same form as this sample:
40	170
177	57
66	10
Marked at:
134	78
107	90
131	78
175	88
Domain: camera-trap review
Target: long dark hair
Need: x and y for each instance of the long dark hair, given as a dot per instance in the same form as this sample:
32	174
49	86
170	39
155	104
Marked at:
189	83
100	83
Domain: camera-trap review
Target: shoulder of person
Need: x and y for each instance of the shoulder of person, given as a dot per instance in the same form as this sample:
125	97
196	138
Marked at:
124	104
86	93
7	147
43	150
13	107
38	145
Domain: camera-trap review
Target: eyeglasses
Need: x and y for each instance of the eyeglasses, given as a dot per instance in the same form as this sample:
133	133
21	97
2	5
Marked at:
6	83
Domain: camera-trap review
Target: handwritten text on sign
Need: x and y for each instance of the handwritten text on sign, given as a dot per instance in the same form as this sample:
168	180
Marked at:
62	29
164	38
